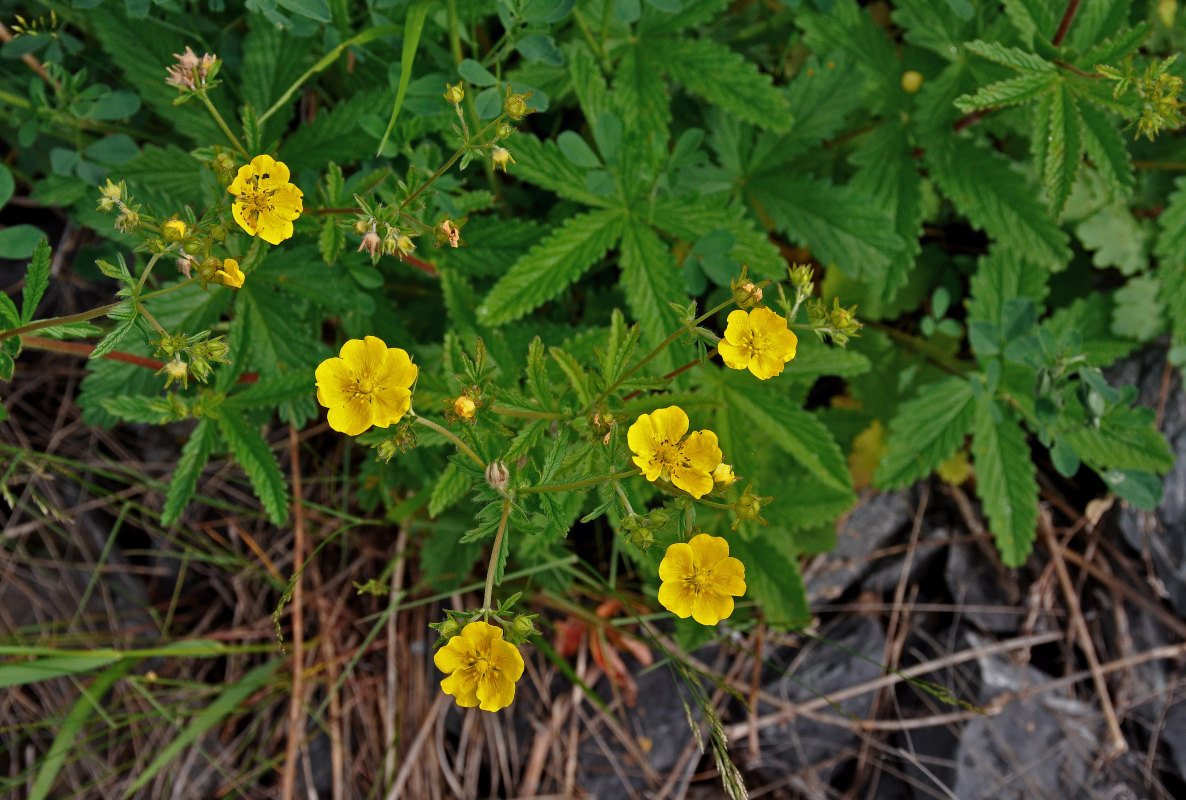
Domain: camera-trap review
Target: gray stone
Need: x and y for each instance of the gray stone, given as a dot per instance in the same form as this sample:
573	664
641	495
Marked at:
872	525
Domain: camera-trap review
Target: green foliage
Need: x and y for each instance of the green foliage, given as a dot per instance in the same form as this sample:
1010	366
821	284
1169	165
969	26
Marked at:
1005	481
927	430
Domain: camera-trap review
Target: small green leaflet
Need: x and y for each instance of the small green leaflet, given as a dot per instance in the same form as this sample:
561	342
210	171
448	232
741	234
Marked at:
1005	481
36	281
258	461
194	455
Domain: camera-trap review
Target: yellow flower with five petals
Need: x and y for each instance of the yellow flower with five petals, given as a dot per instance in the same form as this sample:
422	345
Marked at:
230	274
700	579
368	384
265	202
661	450
759	341
482	667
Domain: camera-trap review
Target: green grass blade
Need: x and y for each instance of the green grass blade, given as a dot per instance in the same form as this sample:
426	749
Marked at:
412	29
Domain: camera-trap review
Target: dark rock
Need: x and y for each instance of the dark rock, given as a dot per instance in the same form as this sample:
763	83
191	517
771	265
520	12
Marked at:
871	526
975	579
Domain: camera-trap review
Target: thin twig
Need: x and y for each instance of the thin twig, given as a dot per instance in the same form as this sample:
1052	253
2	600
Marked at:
1064	24
1118	746
296	705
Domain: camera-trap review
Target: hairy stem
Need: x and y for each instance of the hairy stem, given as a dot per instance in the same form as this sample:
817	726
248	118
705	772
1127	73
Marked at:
222	124
502	529
594	481
448	434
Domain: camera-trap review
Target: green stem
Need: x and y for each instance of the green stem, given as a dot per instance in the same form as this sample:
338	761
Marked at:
448	434
222	124
714	504
83	316
326	60
941	359
445	167
524	414
663	345
561	487
147	269
502	529
597	49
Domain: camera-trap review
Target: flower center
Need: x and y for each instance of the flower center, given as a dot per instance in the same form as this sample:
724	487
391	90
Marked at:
754	342
698	580
364	386
481	663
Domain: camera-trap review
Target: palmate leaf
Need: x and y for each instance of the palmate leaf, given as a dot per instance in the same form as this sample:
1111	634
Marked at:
1005	481
839	224
933	26
548	268
272	60
335	134
1032	17
726	79
850	28
1126	439
543	164
1009	56
1105	147
642	92
258	461
982	186
451	486
1000	276
688	218
927	431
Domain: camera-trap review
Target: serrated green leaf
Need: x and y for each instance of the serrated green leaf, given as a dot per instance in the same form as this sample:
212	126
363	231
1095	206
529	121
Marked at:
259	462
330	241
272	61
1031	17
927	431
112	339
724	78
798	433
933	26
543	164
1106	148
549	267
820	102
36	281
451	486
1172	278
134	408
9	317
316	10
1009	56
840	225
1008	92
888	173
1112	50
772	578
651	281
1125	439
1141	489
641	91
689	217
1063	148
984	188
1005	481
1137	309
272	391
194	455
71	330
335	134
1001	276
850	28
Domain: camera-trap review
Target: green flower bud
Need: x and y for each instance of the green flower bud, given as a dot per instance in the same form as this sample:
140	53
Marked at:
454	94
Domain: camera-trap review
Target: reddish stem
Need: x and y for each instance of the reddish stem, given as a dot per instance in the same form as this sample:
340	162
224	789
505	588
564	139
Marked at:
1065	24
80	349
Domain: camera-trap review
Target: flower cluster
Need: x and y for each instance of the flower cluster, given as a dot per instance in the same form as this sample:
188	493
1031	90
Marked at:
265	202
662	452
190	72
367	384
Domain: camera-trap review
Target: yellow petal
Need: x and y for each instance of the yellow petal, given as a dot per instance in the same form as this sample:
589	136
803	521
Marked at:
735	357
397	369
677	562
709	609
274	175
352	417
693	481
508	658
641	437
728	577
242	180
495	691
676	598
478	631
786	343
708	549
286	201
670	423
262	165
737	328
272	228
701	452
245	218
463	685
390	405
335	384
453	654
764	365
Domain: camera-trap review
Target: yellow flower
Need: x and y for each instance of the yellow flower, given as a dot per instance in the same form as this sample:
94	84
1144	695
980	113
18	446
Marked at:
265	202
174	230
369	384
230	274
482	667
656	438
956	469
464	407
759	341
700	579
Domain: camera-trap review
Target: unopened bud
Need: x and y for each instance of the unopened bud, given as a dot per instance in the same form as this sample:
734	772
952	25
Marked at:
174	230
218	233
504	130
208	268
522	626
454	94
450	628
746	294
723	475
911	81
464	407
515	106
497	475
110	195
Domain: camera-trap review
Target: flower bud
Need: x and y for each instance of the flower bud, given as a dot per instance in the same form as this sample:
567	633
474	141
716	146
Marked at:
230	274
175	370
386	450
504	130
464	407
224	168
515	106
218	233
454	94
174	230
450	628
497	475
363	227
749	507
110	195
911	81
745	293
501	157
208	268
723	475
801	278
522	626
